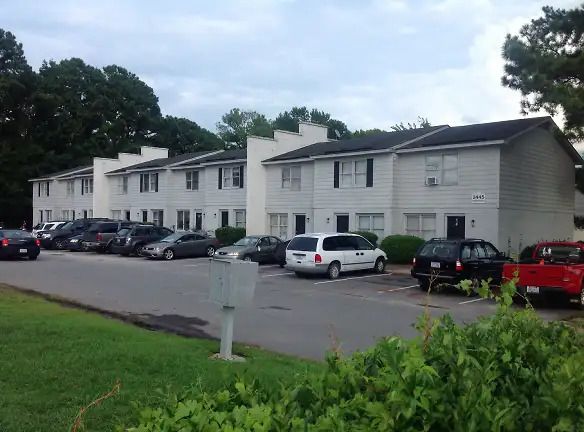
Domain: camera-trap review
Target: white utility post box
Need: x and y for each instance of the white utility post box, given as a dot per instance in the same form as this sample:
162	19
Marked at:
232	285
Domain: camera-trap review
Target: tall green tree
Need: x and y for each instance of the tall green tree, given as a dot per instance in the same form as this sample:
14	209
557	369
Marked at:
17	82
181	135
422	122
545	62
366	132
288	121
237	125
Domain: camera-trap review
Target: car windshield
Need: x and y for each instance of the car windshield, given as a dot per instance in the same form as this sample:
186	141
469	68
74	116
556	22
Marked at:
441	250
124	232
246	241
304	244
68	225
172	238
15	234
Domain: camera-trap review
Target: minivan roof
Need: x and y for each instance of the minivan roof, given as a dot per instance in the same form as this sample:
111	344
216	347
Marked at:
324	235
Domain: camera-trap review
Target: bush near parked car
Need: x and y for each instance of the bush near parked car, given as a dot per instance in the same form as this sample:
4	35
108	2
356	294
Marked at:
506	372
401	249
229	235
371	237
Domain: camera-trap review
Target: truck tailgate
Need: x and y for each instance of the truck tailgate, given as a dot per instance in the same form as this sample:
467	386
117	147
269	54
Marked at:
547	275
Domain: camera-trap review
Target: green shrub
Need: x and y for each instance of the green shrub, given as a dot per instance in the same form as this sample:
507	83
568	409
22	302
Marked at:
372	237
507	372
229	235
401	249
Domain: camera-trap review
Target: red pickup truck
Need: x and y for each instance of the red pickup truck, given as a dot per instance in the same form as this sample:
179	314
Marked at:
556	268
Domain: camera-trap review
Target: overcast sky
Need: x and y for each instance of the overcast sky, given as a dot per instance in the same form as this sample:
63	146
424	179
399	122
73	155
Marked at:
370	63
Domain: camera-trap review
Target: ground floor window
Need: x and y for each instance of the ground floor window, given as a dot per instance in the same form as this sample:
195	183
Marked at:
116	214
421	225
65	214
183	220
48	215
90	213
157	217
374	223
279	225
240	218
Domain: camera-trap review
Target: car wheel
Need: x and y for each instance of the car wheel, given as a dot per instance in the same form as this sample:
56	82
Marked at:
168	254
581	298
33	257
247	258
379	265
424	285
57	244
299	274
138	249
334	270
108	248
210	251
282	264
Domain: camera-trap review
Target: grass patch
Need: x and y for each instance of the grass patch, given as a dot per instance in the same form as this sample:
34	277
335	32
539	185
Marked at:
56	360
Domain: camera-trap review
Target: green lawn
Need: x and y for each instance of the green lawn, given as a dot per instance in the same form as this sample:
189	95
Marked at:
56	360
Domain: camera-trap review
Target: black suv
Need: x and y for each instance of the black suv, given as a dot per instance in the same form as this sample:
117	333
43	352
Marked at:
99	237
446	261
131	240
56	239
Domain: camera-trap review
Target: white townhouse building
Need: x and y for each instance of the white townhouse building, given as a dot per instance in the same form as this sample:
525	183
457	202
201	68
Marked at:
509	182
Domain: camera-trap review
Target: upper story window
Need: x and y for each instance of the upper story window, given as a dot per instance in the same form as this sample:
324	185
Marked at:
86	186
192	180
149	182
70	187
123	185
353	174
230	177
44	189
444	168
291	177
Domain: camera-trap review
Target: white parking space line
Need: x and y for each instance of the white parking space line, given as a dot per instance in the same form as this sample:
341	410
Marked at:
472	301
352	278
278	274
195	265
397	289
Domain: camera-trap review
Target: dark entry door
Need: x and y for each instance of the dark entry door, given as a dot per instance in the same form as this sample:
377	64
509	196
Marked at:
198	221
455	227
224	218
128	217
144	215
300	223
342	223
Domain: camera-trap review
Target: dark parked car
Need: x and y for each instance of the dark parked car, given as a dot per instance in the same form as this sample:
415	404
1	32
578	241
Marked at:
449	262
54	239
281	253
75	244
18	243
251	248
181	245
131	240
99	237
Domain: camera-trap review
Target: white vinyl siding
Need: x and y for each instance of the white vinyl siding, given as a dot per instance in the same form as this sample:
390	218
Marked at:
353	173
423	226
292	178
444	167
240	218
374	223
192	180
279	225
183	220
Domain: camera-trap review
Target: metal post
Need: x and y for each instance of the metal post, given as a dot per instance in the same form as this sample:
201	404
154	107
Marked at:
227	315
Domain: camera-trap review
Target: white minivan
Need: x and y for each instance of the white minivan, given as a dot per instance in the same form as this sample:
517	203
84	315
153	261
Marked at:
332	254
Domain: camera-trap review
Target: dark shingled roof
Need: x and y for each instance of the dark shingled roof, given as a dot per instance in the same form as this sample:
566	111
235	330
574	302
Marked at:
380	141
496	131
161	162
80	170
227	155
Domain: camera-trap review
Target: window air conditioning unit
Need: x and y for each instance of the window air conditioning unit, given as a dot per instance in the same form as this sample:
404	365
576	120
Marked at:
431	181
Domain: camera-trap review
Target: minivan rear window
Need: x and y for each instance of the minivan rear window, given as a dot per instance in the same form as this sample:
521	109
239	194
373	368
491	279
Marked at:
303	244
441	250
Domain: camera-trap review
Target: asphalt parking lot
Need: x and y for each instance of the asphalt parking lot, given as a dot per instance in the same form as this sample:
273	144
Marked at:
291	315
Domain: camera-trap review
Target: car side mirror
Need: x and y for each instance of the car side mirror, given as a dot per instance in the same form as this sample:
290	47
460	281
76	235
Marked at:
178	241
259	248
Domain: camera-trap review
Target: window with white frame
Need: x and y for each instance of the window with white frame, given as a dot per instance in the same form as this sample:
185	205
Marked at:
123	185
444	167
87	185
291	177
183	220
44	189
421	225
65	214
240	218
70	187
116	214
279	225
90	213
192	180
48	215
149	182
157	217
353	173
231	177
374	223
